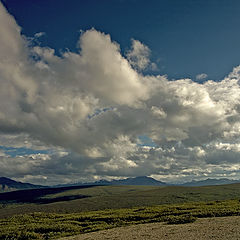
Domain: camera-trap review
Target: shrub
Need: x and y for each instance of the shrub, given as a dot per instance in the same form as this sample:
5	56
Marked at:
181	219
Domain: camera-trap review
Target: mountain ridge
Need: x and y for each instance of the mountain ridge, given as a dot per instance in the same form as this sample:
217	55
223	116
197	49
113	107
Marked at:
141	180
209	181
7	185
149	181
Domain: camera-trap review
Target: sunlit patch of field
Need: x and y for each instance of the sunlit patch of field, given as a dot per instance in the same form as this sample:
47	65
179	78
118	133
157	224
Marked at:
52	226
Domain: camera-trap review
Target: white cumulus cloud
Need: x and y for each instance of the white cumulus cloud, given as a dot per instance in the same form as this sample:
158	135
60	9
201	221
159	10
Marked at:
90	107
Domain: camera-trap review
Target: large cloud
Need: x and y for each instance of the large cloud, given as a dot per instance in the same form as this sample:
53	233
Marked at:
89	108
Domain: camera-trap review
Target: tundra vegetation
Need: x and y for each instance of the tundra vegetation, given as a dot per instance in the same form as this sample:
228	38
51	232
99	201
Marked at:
176	209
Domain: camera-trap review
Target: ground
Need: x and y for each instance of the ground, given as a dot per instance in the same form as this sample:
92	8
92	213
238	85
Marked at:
223	228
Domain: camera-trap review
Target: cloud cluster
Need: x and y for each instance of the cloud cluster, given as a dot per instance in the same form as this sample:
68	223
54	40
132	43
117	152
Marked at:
89	108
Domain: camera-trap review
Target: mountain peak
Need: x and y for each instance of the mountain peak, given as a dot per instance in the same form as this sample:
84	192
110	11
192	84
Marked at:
4	180
140	180
7	184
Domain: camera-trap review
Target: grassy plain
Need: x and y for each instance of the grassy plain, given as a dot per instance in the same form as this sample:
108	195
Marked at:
67	200
70	211
52	226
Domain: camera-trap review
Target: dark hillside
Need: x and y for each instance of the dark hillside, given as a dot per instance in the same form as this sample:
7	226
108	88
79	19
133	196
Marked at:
7	184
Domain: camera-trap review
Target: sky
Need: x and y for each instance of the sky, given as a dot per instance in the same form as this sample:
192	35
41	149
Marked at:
114	89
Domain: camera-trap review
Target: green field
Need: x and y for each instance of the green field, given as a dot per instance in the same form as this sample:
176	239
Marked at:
114	197
63	213
51	226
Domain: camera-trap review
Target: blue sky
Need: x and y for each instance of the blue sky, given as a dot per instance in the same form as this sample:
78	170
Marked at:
96	89
186	37
13	152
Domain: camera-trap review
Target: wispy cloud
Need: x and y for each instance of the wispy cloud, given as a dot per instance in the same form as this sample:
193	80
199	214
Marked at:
201	76
39	34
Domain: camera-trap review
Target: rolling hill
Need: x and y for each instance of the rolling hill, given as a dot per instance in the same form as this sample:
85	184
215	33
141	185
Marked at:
7	185
91	198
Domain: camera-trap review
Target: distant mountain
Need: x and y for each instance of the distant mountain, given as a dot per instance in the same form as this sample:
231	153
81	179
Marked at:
138	181
143	180
153	182
7	185
148	181
210	181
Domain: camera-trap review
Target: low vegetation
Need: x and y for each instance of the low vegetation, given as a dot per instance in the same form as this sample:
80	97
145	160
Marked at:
52	226
92	198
